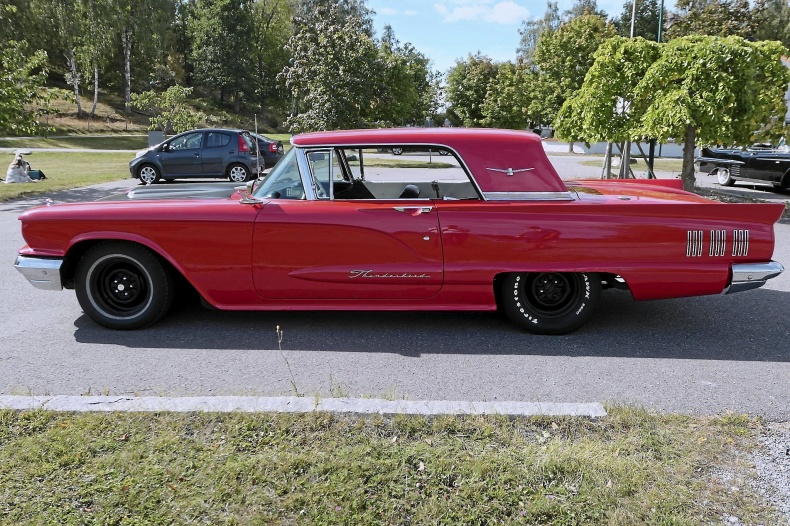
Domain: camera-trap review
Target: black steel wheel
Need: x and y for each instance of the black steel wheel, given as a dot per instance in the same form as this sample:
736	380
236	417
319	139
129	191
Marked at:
122	285
550	302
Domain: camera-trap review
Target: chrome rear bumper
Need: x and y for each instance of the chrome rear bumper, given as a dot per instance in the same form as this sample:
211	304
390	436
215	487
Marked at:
747	276
42	273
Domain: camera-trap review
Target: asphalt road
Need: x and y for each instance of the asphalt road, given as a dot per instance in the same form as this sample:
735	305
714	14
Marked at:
699	355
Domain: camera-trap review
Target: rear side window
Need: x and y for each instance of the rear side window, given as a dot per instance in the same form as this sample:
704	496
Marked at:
217	140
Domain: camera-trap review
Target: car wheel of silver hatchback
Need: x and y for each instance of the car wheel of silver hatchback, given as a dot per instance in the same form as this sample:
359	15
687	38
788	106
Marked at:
238	173
723	177
148	174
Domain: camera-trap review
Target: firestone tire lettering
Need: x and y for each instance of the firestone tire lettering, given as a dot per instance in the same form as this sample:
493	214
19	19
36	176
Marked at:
550	302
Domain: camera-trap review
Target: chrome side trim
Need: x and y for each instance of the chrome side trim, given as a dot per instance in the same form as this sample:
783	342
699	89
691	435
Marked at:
528	196
718	160
740	242
747	276
40	272
694	242
718	243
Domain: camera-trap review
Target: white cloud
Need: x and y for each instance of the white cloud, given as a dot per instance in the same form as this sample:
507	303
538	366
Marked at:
410	12
387	11
506	13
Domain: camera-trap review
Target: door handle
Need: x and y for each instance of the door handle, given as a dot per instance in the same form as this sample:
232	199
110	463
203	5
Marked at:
413	210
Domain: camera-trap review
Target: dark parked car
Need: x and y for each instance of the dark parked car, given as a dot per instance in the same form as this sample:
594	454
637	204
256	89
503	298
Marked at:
756	164
198	153
270	150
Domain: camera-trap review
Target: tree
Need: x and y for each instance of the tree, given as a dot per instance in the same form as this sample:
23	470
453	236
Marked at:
645	21
712	17
531	31
581	8
22	77
220	42
508	99
170	109
563	58
271	29
333	74
467	85
772	20
407	90
699	89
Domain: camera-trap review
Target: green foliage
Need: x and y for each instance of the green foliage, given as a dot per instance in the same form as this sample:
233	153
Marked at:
713	90
508	99
772	20
467	86
606	108
563	58
220	32
334	69
408	90
22	97
645	22
717	18
271	30
170	109
531	31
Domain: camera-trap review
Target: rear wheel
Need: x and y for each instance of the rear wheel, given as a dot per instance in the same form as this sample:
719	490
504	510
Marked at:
550	302
238	173
723	177
121	285
148	174
397	151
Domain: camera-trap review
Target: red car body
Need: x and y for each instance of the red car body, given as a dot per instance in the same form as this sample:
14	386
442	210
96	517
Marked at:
518	223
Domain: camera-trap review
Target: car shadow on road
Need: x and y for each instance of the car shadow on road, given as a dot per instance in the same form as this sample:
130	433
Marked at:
750	326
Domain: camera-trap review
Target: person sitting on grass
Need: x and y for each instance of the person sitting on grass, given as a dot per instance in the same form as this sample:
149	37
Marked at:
17	171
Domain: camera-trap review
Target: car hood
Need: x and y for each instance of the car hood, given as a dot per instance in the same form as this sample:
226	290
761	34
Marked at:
177	191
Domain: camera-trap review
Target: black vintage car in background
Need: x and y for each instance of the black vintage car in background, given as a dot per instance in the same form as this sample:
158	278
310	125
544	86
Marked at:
759	164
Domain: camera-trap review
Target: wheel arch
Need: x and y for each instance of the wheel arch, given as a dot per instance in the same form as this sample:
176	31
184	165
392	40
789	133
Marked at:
80	246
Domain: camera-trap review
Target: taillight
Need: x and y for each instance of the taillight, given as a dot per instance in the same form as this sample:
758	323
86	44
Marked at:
273	147
243	146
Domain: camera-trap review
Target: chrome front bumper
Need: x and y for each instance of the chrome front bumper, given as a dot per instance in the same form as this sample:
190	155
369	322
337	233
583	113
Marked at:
42	273
747	276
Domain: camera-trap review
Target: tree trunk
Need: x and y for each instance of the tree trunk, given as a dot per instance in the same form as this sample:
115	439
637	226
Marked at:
570	147
74	80
687	173
95	90
126	39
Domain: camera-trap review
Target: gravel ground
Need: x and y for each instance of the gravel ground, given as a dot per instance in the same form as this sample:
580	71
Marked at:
772	463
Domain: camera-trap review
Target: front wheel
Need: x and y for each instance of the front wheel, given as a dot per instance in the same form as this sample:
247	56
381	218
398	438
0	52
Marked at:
148	174
723	177
238	173
121	285
397	151
550	302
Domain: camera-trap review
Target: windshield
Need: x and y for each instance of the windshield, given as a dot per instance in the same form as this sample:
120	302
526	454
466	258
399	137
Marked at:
284	181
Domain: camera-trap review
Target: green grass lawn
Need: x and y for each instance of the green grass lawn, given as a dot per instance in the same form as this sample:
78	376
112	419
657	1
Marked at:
659	165
629	468
107	142
66	170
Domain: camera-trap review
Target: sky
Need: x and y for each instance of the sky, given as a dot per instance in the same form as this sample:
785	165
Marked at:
446	30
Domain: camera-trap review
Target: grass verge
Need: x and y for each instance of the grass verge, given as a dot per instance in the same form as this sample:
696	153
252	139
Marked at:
628	468
104	142
66	170
659	165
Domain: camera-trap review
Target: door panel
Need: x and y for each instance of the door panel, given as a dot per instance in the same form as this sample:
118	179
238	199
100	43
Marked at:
768	166
183	155
347	250
215	153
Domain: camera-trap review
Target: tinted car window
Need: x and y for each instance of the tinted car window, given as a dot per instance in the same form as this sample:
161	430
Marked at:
217	140
190	141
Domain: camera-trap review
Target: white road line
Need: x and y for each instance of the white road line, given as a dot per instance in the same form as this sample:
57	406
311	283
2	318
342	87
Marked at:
293	404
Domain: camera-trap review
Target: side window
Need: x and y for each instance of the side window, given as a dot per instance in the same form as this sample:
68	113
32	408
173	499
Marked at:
416	172
323	164
190	141
217	140
284	181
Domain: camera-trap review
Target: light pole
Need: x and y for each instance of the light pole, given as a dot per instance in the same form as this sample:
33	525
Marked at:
651	157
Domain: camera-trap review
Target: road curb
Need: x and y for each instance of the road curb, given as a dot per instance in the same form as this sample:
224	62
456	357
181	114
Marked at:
293	404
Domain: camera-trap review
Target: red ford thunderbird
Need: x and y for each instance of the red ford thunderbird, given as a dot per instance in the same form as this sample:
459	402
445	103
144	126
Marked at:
470	220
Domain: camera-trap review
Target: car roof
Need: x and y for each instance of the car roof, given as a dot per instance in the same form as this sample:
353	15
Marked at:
397	136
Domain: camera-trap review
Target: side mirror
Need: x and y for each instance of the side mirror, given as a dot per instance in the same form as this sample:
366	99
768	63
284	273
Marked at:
164	148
